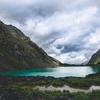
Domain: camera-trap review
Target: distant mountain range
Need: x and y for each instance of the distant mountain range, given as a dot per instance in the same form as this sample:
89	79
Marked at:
95	59
18	52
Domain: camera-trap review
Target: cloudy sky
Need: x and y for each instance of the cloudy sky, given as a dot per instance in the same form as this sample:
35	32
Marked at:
68	30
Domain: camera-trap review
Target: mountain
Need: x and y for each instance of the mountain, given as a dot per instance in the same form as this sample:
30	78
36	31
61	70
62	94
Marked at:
18	52
85	63
95	59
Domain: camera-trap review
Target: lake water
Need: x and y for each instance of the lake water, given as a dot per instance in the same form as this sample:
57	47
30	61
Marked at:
76	71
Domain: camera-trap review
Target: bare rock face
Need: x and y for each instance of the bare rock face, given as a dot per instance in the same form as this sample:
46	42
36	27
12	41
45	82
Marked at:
18	52
95	59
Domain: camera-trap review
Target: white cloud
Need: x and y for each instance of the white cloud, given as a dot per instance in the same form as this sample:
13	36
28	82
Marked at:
94	37
17	1
67	57
93	41
63	21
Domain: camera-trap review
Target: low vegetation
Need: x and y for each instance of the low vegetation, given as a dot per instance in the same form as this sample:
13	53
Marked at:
13	92
18	88
76	82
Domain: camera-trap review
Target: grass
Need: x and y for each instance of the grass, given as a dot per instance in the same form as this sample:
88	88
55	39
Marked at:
94	95
22	85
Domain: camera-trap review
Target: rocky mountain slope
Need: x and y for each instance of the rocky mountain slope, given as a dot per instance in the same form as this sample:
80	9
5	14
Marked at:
18	52
95	59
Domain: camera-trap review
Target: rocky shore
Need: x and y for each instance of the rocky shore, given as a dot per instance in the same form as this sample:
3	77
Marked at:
20	88
11	89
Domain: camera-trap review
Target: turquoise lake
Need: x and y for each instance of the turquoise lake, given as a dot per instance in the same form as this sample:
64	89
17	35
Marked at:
76	71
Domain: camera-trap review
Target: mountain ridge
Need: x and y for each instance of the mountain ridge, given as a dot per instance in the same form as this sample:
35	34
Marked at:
18	52
95	59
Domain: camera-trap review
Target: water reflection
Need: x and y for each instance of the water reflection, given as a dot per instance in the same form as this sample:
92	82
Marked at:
67	88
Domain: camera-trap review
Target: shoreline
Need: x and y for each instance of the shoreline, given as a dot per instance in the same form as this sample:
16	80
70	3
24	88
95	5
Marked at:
66	88
74	82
